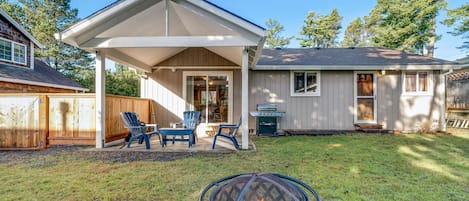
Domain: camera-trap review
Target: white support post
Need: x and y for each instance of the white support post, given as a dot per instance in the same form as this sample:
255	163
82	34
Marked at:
245	100
100	99
442	97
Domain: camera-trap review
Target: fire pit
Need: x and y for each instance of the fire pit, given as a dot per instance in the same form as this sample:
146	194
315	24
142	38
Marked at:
258	187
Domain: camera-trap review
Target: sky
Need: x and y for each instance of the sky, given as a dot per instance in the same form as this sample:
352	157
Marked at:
291	14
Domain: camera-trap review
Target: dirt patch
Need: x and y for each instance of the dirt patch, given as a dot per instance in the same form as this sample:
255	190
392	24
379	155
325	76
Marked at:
87	152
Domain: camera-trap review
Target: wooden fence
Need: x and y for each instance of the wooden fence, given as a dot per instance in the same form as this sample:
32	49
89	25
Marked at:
35	121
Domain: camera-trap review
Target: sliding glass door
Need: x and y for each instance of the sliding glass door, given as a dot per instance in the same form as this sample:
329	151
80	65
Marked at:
210	93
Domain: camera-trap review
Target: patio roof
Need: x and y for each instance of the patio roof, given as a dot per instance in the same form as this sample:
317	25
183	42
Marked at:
143	33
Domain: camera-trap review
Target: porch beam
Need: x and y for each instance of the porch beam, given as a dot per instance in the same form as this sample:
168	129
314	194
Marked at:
126	59
100	96
245	99
168	41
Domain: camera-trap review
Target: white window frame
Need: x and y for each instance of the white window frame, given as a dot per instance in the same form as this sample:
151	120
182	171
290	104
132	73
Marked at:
292	83
228	74
13	44
418	92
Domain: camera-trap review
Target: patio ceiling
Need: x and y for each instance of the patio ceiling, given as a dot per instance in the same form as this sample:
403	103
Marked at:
143	33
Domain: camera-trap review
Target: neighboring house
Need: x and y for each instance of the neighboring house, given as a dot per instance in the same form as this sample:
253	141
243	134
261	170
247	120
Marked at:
198	56
20	72
457	89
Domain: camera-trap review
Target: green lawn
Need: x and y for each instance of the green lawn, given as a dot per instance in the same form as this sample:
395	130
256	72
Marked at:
343	167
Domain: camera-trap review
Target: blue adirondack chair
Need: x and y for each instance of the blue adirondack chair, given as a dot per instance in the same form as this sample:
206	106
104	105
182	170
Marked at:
228	131
190	121
138	129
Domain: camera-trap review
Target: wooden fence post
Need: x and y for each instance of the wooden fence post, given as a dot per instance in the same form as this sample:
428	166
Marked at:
43	141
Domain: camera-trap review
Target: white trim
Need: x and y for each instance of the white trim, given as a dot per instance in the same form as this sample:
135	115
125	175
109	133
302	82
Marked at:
229	17
228	74
13	44
355	97
100	96
31	58
194	67
292	84
168	41
122	58
418	93
355	67
21	29
41	84
245	100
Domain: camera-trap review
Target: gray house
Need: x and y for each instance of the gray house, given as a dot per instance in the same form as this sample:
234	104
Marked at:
335	88
198	56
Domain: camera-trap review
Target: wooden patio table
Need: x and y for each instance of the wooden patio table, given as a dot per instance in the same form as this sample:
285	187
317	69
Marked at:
164	132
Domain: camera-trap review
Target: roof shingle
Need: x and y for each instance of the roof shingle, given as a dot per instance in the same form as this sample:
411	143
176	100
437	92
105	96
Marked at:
41	73
345	57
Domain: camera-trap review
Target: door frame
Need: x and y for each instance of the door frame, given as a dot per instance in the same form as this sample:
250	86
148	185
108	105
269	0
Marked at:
229	75
355	97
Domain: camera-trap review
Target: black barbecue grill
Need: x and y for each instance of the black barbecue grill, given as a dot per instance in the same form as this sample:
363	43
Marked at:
267	119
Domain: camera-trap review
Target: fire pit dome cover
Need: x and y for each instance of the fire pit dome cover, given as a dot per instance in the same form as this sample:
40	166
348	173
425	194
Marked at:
258	187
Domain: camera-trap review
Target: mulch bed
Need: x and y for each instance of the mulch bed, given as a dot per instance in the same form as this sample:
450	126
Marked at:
86	152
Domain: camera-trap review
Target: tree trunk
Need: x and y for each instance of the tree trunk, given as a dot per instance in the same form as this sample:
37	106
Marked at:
431	38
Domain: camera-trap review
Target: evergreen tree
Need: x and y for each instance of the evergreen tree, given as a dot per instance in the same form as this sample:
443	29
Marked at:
459	18
407	25
273	39
320	30
354	34
122	81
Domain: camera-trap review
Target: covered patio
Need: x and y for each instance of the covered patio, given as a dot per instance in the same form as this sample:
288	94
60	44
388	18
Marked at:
203	145
191	55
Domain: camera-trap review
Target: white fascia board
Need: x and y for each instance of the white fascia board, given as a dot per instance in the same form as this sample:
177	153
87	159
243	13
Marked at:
21	29
42	84
86	23
244	28
228	16
168	41
353	67
126	59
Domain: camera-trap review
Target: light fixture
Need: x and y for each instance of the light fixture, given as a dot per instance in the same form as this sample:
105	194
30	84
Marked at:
383	72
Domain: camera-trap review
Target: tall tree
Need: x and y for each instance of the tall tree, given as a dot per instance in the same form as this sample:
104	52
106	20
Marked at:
408	25
332	24
320	30
354	34
273	39
459	17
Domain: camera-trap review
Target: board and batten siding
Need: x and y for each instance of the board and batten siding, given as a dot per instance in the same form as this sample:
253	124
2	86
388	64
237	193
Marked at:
332	110
164	87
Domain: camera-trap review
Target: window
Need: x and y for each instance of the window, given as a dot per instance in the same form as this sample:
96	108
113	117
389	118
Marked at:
12	51
417	82
305	83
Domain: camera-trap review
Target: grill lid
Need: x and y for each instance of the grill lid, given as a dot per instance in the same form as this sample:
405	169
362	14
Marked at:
267	114
267	107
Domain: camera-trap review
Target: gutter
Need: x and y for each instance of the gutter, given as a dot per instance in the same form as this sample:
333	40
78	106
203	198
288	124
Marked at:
43	84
